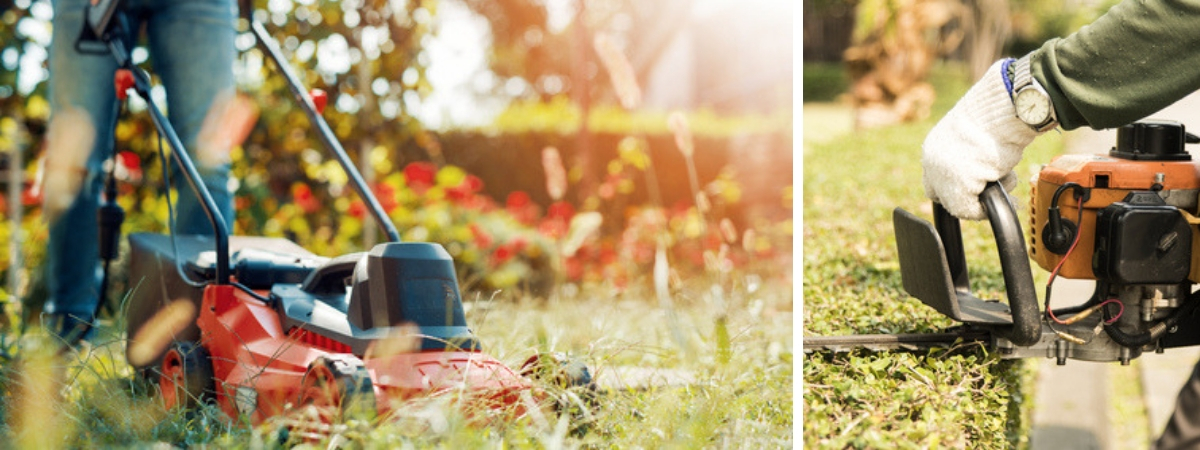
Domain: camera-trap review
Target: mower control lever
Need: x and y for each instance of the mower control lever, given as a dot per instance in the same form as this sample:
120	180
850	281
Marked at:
324	132
319	99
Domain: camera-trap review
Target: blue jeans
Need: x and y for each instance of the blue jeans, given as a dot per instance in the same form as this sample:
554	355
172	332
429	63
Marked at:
192	50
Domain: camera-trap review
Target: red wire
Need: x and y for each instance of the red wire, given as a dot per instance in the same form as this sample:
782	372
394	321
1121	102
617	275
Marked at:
1121	311
1054	273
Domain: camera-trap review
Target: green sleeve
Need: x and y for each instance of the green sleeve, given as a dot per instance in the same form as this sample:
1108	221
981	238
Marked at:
1136	59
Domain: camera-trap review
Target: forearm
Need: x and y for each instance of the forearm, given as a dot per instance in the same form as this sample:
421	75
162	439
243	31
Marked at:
1138	58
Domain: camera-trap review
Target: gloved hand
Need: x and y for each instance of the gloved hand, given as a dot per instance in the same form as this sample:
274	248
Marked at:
979	140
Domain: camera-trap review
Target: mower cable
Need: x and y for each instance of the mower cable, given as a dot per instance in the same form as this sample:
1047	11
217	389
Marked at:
247	290
183	276
110	194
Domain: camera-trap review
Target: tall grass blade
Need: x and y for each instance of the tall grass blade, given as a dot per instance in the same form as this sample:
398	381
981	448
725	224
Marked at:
662	289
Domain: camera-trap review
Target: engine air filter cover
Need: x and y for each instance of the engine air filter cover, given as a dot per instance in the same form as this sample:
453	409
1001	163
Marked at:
1142	240
1152	140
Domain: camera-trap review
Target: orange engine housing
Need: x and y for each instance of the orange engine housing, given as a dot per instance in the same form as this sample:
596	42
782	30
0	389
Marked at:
1109	180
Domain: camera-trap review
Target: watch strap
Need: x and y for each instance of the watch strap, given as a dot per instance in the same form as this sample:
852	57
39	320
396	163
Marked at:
1022	78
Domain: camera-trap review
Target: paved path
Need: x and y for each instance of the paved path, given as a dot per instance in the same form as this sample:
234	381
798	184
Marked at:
1082	420
1071	409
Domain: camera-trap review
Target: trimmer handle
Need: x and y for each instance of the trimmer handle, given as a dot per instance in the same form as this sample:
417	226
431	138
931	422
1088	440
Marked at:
933	268
1014	260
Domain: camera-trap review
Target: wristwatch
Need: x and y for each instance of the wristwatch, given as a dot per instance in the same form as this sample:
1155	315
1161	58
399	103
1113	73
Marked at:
1030	100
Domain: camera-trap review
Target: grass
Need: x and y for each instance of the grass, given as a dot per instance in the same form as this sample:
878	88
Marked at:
90	399
965	398
823	81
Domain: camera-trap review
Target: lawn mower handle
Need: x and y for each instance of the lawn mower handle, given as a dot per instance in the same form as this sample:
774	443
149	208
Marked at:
268	46
111	34
1014	261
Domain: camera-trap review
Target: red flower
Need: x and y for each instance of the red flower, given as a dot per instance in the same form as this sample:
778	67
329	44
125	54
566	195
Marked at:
304	198
561	211
517	200
386	195
465	191
558	220
31	195
482	239
420	175
521	207
129	166
357	209
473	183
501	255
506	252
130	160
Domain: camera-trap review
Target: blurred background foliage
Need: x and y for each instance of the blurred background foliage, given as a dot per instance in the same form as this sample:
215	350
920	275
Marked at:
1035	22
479	189
886	47
829	24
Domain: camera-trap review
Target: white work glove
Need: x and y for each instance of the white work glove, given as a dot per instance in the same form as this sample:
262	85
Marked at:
979	140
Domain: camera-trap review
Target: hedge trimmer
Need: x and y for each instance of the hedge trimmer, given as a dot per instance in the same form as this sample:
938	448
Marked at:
1128	220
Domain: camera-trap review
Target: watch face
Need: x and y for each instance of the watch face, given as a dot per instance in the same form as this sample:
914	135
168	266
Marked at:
1032	106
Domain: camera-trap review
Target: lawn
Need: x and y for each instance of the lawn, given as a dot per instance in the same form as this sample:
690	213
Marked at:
961	399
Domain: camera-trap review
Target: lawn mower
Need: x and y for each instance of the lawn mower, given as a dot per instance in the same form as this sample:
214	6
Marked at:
1128	220
279	327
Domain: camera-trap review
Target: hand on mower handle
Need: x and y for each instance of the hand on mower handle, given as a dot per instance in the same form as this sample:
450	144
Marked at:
979	140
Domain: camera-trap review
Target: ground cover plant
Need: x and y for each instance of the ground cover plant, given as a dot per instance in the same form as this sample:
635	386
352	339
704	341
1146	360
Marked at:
964	398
